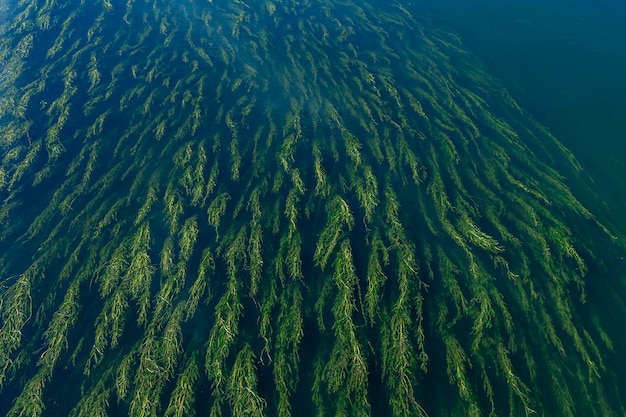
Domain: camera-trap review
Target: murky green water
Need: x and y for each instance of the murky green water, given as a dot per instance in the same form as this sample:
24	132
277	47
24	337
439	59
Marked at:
310	208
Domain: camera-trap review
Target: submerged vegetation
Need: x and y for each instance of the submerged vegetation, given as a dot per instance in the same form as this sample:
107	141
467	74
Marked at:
276	208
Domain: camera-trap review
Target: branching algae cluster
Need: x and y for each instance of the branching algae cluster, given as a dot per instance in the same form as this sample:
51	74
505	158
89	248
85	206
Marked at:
277	208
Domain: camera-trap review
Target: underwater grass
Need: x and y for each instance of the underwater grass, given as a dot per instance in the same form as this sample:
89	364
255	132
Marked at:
285	208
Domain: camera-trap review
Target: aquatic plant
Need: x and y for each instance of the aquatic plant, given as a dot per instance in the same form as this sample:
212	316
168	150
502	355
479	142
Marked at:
285	208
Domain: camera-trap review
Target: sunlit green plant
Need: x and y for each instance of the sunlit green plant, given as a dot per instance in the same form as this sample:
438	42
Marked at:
281	208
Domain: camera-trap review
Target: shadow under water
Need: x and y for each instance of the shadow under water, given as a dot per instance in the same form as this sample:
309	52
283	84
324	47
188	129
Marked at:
287	208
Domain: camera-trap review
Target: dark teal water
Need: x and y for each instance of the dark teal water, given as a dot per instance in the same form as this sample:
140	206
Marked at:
565	62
